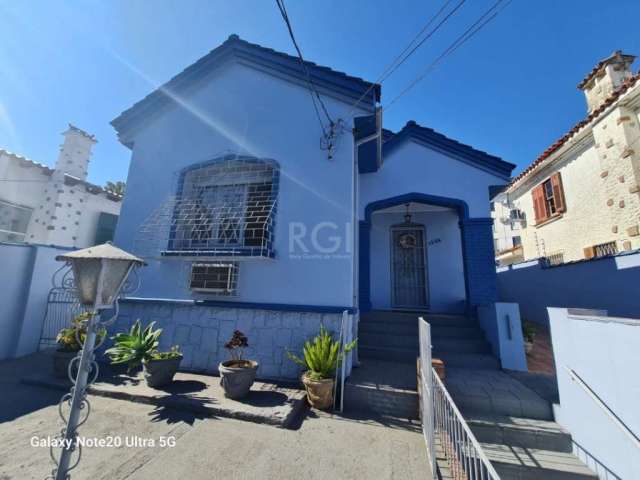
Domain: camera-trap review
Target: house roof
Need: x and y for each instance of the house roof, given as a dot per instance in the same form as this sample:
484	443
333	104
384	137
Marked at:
438	141
234	48
27	162
68	179
626	85
615	56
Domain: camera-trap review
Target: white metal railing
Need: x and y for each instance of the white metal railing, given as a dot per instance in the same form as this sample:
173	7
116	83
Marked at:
600	403
442	420
426	397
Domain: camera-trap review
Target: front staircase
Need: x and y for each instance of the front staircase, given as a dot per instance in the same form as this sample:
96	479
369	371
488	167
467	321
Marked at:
512	422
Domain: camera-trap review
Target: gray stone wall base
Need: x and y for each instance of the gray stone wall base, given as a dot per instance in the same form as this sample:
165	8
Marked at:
201	333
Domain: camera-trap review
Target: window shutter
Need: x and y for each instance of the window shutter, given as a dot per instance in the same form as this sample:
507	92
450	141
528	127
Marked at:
589	252
558	192
538	204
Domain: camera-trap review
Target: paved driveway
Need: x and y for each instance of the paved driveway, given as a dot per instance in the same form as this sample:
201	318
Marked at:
324	446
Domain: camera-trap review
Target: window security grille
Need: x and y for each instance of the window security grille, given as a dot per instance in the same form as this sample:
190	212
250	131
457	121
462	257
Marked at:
223	208
218	278
605	249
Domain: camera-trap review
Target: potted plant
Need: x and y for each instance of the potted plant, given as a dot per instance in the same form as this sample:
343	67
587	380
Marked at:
140	347
321	358
529	335
237	375
69	346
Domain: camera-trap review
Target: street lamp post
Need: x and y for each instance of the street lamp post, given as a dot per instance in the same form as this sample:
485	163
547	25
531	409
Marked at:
99	275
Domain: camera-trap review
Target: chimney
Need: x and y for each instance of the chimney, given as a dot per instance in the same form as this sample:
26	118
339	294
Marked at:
605	78
75	153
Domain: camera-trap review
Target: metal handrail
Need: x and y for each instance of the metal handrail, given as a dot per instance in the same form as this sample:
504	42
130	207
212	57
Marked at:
461	448
465	453
596	398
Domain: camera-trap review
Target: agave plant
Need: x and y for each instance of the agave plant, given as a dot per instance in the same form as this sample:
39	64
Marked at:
322	356
135	347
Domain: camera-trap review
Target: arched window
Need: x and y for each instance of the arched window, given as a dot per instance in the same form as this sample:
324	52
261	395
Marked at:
225	208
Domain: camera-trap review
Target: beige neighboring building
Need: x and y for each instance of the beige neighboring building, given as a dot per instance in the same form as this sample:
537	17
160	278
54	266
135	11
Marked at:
56	206
581	198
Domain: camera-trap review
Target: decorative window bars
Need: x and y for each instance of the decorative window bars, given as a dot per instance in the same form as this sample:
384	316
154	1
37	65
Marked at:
223	208
217	278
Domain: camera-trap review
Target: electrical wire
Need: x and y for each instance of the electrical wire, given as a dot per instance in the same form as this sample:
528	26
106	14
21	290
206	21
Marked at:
401	57
474	28
312	88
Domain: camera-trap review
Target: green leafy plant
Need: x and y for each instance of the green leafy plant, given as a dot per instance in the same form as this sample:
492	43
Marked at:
321	355
171	354
67	338
528	332
135	347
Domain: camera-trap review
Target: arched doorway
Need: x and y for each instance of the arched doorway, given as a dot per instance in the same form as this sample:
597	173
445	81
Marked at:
412	254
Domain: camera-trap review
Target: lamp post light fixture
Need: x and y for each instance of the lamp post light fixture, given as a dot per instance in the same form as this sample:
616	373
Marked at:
99	274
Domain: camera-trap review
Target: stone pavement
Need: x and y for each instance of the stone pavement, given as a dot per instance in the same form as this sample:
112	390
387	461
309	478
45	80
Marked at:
268	403
494	391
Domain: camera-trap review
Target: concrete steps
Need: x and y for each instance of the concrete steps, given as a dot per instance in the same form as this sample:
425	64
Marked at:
384	388
461	345
402	355
520	463
493	392
467	360
380	400
520	432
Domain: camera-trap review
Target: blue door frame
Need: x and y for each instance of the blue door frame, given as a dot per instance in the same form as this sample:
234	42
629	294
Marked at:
477	248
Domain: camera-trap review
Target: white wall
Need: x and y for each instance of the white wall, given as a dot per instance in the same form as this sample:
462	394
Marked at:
53	203
411	167
604	283
444	259
241	110
26	277
604	353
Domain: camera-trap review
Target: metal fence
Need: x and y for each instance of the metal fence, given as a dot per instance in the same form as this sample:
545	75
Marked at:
62	307
444	426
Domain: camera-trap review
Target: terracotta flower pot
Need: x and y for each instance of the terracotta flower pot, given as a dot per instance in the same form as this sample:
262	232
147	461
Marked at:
159	373
61	360
319	392
237	376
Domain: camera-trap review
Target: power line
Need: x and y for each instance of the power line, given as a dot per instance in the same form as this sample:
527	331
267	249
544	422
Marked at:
401	57
474	28
312	87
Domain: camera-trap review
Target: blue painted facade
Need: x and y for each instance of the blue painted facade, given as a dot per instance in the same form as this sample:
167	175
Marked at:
331	243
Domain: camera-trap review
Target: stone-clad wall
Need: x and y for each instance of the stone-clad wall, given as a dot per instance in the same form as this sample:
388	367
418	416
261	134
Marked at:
201	333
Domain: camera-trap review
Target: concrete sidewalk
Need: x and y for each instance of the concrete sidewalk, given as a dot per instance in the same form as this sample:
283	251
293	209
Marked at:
268	403
324	446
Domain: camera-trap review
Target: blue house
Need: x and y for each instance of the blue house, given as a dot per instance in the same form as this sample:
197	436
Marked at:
257	211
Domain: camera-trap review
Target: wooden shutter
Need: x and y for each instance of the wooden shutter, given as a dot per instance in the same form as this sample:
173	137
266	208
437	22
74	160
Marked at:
538	204
558	192
589	252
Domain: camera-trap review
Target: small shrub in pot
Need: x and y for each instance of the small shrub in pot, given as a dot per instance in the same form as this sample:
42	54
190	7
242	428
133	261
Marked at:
70	340
138	347
237	375
321	357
